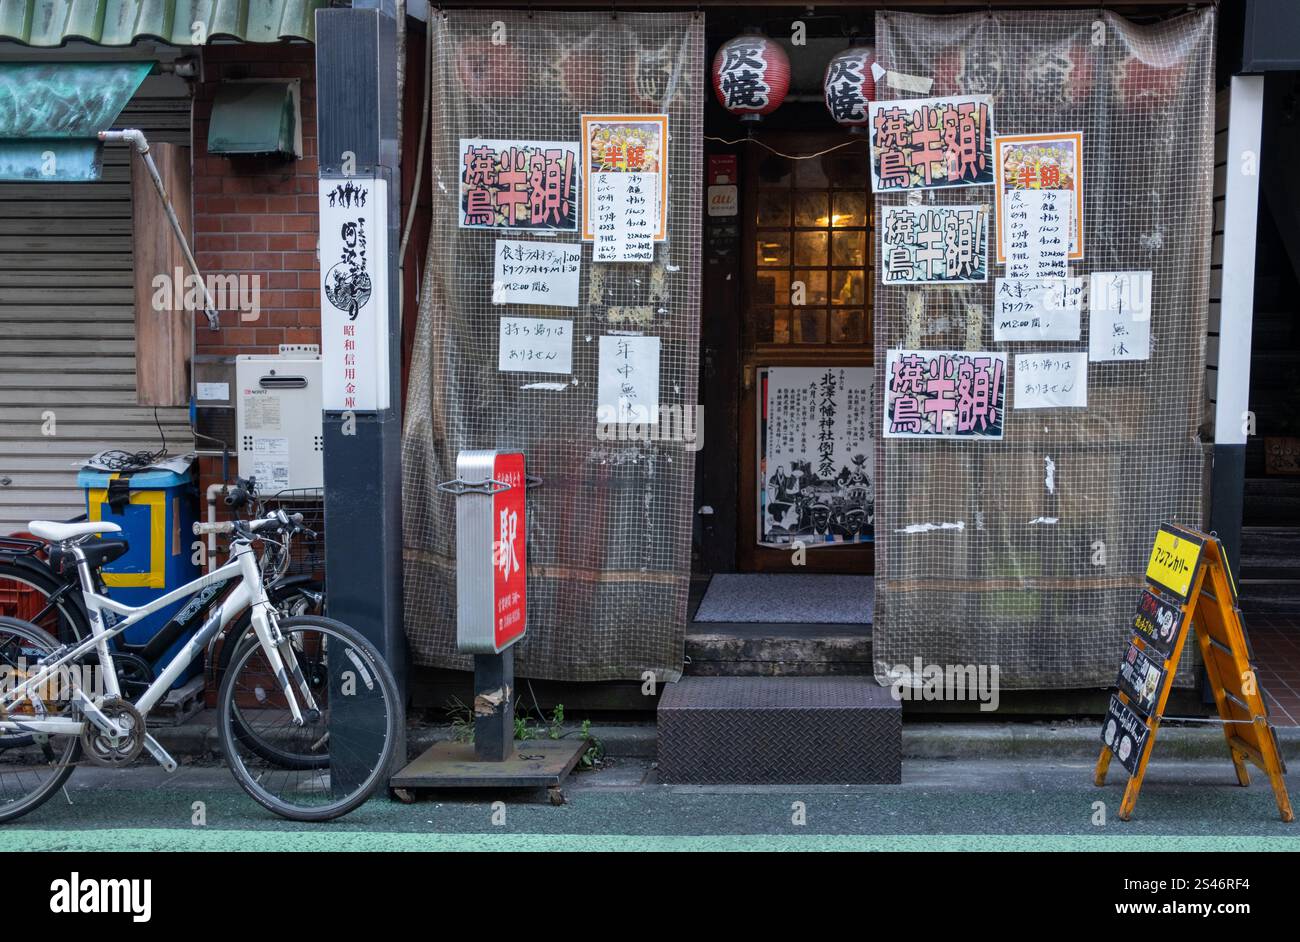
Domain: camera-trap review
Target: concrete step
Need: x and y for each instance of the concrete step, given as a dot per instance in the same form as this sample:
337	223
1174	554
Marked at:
1271	501
1272	547
1269	596
759	650
779	731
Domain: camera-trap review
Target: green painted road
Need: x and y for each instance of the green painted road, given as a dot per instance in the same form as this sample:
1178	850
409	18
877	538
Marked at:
954	805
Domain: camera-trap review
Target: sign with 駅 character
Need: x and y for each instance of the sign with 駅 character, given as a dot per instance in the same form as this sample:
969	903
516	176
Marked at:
1189	583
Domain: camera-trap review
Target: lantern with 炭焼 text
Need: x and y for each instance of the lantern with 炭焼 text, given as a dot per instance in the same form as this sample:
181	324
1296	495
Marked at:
850	85
751	75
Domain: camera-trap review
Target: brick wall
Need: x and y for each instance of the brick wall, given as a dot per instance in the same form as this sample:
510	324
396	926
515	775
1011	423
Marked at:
258	216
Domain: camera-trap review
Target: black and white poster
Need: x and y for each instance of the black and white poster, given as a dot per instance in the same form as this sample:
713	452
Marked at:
354	292
817	464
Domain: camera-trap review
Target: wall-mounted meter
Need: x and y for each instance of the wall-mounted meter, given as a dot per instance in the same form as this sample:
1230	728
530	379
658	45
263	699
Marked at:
279	421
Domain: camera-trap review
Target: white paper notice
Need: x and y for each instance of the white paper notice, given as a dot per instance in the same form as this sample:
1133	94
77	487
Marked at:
535	345
626	214
271	463
1037	308
629	380
1036	232
536	273
1051	380
1119	315
208	392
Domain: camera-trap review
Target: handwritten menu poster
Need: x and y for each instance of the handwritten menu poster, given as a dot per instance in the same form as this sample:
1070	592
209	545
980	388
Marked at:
1119	315
535	345
1037	308
614	146
1041	162
934	245
628	388
518	185
945	394
536	273
1035	224
1051	380
931	142
624	207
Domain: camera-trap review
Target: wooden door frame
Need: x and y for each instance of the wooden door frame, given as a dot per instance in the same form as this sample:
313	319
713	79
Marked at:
750	556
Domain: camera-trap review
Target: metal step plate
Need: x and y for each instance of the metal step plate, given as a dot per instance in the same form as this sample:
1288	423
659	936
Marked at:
779	731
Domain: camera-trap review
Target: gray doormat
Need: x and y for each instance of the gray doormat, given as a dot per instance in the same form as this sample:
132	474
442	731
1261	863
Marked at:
787	598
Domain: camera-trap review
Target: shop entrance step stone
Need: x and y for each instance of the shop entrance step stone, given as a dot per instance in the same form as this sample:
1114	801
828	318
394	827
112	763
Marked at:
779	731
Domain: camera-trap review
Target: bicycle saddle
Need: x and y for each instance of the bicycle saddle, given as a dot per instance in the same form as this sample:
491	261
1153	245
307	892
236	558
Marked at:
58	532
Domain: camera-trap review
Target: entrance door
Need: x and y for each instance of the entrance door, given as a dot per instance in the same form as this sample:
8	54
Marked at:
807	222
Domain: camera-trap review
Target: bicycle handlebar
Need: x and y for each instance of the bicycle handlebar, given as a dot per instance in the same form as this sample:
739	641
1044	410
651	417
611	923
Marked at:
278	520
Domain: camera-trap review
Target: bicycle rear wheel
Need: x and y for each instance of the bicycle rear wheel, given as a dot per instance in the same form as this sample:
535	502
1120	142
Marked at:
351	735
33	766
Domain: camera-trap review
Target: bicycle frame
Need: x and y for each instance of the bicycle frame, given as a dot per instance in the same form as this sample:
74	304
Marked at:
248	592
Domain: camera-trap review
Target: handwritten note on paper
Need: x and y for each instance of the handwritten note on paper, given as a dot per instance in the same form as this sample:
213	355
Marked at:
536	273
628	388
1119	315
1036	229
535	345
626	214
1037	308
1051	380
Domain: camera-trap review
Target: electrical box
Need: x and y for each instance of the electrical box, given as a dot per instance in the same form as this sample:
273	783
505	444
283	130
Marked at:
279	421
214	404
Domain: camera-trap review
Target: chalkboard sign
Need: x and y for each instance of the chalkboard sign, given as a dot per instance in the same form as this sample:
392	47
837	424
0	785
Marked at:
1125	734
1141	678
1157	622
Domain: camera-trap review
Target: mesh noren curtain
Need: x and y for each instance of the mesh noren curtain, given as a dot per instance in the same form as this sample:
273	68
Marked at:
609	529
1040	599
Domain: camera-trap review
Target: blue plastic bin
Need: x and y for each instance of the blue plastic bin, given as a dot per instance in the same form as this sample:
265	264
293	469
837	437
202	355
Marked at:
157	520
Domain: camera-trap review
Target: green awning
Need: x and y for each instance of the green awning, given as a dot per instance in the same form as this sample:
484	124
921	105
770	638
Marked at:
253	118
50	114
122	22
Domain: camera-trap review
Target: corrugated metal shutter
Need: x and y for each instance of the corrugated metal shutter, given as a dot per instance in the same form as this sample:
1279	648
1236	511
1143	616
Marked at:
67	329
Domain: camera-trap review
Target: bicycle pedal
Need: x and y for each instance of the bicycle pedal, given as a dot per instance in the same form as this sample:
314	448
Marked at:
159	753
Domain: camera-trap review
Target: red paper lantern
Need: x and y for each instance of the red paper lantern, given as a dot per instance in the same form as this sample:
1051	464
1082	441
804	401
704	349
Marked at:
849	85
967	71
751	75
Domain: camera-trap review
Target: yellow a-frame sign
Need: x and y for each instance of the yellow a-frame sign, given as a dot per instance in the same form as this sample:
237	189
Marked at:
1190	587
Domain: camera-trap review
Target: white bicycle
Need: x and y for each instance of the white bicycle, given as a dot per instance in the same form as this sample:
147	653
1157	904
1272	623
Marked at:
308	709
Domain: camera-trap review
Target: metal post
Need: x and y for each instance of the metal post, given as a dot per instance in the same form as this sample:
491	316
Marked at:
357	107
1236	310
494	706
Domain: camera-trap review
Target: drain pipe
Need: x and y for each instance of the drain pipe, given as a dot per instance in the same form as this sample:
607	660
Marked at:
137	140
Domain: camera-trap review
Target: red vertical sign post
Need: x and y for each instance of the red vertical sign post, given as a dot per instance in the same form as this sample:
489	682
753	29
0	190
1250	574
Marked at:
510	551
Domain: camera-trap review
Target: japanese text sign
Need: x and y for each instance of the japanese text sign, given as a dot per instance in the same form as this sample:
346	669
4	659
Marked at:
1173	561
354	293
628	385
1125	734
1157	622
535	345
819	456
1025	162
945	394
1051	380
1140	678
934	245
1037	308
633	145
536	273
931	142
1119	315
1036	233
491	550
518	185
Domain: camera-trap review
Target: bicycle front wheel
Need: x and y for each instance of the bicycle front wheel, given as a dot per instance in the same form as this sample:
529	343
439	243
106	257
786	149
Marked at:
349	731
